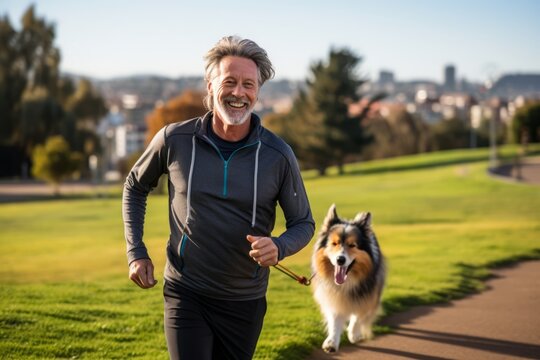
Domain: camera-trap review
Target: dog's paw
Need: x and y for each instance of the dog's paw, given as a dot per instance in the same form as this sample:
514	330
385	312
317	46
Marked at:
329	346
354	337
367	333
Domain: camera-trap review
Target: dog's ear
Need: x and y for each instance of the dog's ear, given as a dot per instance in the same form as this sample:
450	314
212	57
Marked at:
330	219
362	219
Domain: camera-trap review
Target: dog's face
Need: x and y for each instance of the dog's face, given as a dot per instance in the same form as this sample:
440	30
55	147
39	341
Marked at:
342	244
345	245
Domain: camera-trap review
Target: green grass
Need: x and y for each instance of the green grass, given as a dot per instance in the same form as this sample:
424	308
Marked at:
65	294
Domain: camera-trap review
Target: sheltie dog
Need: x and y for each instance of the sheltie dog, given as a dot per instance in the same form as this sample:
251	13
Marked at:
349	277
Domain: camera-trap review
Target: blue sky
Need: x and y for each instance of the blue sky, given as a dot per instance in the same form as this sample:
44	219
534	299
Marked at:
413	38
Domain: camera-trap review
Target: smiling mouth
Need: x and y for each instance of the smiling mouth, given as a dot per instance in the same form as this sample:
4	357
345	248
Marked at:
237	105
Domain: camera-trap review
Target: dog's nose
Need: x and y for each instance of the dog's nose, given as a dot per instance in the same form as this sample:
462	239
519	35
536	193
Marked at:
341	260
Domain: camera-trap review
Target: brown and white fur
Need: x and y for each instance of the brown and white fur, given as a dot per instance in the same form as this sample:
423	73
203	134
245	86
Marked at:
350	276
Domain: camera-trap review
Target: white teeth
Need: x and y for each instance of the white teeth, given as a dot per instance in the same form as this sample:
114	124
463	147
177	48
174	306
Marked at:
236	104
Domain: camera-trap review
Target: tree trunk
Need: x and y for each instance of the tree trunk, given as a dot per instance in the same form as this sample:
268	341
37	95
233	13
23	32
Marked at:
524	142
341	169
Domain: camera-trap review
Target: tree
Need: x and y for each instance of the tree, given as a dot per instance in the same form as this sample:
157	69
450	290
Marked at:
450	134
323	131
40	117
483	133
526	124
301	129
37	60
399	133
84	108
35	101
54	162
28	81
183	107
12	81
86	104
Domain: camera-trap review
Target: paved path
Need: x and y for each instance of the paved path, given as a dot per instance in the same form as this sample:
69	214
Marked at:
12	191
502	322
528	171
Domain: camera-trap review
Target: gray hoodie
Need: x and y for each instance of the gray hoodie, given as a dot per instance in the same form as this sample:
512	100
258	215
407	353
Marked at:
215	203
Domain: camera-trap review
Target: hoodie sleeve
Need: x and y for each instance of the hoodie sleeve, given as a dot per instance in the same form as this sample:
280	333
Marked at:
299	220
142	179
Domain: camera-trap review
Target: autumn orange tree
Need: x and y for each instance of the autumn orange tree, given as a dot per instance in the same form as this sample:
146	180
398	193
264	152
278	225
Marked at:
183	107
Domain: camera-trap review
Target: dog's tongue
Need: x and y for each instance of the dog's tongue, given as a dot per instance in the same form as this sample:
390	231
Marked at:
340	274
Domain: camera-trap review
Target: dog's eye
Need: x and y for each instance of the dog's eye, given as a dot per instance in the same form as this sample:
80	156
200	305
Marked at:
352	245
334	244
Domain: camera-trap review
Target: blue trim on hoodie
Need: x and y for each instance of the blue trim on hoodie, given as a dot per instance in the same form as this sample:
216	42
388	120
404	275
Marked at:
226	162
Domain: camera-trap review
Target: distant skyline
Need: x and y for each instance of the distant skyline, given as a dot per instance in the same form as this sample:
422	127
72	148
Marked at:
413	39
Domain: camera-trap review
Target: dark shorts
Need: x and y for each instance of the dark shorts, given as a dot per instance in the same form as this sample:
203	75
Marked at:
202	328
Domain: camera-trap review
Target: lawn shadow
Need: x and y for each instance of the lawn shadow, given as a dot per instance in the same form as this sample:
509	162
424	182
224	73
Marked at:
416	166
420	164
497	346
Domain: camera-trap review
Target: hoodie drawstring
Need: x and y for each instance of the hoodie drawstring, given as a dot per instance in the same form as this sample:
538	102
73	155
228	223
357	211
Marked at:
184	238
190	176
255	180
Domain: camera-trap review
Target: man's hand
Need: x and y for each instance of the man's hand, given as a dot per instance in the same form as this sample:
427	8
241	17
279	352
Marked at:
264	251
141	272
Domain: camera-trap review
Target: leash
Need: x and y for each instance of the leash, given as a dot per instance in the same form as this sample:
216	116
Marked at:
301	279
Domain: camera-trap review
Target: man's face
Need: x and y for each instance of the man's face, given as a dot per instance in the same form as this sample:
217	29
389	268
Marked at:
234	89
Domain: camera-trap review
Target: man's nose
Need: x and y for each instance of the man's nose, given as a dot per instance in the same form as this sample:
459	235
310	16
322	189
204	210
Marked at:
238	90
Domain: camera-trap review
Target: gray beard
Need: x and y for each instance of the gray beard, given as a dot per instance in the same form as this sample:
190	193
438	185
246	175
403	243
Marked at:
230	119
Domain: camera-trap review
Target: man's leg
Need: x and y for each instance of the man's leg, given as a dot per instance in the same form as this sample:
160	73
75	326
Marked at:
236	326
187	333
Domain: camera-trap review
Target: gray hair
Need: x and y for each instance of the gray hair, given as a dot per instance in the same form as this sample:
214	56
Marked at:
236	46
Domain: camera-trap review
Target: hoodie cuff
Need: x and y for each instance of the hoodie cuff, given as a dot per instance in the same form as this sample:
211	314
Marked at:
281	251
136	254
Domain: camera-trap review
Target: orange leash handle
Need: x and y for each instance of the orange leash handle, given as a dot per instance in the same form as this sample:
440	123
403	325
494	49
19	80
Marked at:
301	279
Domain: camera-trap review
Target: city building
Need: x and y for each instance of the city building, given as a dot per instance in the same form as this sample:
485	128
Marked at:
123	133
449	78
